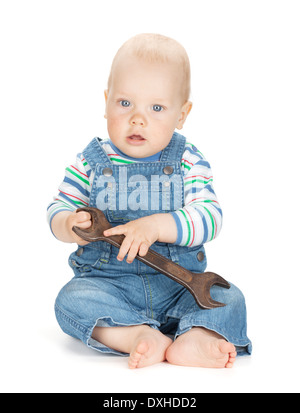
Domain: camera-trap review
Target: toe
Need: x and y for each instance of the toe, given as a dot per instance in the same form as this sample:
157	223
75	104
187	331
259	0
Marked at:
231	360
226	347
134	359
229	365
133	362
137	355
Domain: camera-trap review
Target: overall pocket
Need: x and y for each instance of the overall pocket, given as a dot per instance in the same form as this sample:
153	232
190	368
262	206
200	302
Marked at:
90	257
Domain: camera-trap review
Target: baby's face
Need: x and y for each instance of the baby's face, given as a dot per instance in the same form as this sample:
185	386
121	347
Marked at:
144	105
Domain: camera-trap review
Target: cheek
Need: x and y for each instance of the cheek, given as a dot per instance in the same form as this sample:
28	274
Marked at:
114	123
164	126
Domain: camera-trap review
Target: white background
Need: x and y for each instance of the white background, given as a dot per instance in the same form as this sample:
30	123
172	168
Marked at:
55	59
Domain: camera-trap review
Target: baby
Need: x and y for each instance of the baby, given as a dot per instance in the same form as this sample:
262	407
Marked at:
156	189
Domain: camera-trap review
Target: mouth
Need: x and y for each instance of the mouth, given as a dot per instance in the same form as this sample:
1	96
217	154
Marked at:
135	139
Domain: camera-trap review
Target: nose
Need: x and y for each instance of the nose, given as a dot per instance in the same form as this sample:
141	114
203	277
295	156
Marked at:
137	120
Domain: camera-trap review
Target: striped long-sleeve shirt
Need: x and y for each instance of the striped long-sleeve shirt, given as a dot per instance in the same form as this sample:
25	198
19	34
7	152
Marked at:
198	221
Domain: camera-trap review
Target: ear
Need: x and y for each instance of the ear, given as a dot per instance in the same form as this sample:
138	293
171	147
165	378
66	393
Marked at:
105	96
185	110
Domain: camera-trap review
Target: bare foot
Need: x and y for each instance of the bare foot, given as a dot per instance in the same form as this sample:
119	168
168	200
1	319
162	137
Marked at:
149	348
199	347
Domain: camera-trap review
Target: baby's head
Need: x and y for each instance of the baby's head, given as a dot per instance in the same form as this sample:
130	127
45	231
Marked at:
147	94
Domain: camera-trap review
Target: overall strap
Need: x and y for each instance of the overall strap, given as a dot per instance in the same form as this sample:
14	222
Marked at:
174	151
94	154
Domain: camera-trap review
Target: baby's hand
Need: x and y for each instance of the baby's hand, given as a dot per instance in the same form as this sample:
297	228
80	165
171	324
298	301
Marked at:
79	219
140	234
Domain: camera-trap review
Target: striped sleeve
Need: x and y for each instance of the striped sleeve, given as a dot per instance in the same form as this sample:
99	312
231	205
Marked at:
74	191
200	220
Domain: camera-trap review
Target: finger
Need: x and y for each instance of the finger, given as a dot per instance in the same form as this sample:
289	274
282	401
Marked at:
125	246
84	225
144	248
82	216
82	242
132	252
120	229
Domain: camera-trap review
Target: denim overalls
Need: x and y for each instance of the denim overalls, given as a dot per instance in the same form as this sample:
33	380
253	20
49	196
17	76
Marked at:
106	292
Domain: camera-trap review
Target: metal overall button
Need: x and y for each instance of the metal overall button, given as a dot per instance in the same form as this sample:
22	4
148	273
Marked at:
200	256
168	170
107	172
79	252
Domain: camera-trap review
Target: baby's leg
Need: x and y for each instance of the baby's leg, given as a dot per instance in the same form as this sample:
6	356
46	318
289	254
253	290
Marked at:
85	307
199	347
145	345
201	333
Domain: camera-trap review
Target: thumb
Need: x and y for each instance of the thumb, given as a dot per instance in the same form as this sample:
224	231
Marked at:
82	216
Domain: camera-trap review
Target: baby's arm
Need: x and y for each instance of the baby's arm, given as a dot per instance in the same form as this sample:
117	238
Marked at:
141	233
200	219
74	192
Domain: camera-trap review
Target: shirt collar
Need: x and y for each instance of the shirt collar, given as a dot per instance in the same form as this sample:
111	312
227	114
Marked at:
151	158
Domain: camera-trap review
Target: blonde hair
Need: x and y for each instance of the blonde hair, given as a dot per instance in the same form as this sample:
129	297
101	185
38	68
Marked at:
156	48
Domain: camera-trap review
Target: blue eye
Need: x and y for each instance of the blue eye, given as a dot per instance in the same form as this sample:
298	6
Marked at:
125	103
157	108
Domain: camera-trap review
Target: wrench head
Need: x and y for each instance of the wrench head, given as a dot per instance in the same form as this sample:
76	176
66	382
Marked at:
95	231
200	288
